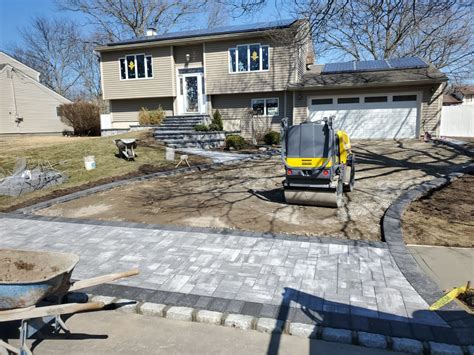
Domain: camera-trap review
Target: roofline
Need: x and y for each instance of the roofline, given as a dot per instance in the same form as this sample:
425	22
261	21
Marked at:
189	39
37	83
363	85
16	60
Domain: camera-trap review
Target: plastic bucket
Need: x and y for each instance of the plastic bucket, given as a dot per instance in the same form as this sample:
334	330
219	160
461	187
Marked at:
89	162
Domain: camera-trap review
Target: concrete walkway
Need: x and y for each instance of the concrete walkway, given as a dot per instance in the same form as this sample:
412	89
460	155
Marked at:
217	157
448	267
111	332
346	278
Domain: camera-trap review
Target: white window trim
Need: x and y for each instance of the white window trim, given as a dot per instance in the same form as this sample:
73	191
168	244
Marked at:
265	105
136	68
248	58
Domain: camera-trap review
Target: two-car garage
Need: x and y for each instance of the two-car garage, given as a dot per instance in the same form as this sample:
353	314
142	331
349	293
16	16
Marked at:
377	116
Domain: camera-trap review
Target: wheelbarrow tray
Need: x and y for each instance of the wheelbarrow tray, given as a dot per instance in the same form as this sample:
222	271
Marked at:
27	277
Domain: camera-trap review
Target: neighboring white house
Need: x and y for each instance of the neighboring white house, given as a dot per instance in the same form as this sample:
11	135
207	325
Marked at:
26	105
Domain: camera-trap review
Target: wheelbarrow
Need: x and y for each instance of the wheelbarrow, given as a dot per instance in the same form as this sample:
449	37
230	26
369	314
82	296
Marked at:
126	147
28	277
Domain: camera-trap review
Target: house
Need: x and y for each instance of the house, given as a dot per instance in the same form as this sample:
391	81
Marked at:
451	100
26	105
465	94
257	74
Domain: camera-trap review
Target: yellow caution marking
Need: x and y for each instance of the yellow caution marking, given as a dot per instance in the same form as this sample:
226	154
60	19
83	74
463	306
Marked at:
448	297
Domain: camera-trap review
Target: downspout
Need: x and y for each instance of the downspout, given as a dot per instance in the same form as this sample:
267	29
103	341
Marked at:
14	97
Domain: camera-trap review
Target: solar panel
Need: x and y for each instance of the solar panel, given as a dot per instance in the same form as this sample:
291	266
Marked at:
374	65
408	62
338	67
371	65
211	31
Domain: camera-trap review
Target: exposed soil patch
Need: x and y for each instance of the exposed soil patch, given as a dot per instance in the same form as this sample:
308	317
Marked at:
445	217
23	265
249	195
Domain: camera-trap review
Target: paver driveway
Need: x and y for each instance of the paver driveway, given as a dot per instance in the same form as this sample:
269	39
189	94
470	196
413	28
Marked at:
248	196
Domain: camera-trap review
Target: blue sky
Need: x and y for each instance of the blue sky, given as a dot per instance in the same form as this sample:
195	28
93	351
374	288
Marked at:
15	14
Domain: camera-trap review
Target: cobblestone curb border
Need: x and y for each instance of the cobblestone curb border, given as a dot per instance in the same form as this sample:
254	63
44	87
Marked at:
118	183
460	321
273	326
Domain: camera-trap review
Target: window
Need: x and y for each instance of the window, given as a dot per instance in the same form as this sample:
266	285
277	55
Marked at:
137	66
404	98
375	99
247	58
321	102
348	100
265	107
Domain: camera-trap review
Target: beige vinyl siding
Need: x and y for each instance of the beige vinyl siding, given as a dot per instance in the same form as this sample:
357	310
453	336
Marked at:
125	112
195	56
35	103
219	81
431	103
431	107
158	86
235	111
6	59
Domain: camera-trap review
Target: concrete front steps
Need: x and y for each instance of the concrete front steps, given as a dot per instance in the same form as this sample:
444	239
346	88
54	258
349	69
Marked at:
178	132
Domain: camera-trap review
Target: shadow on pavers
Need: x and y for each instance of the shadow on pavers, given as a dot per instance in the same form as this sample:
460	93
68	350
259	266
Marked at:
302	307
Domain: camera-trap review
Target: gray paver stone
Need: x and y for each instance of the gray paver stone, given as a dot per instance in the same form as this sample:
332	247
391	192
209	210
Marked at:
180	313
268	325
239	321
209	317
337	335
371	340
152	309
105	299
126	306
445	349
303	330
407	345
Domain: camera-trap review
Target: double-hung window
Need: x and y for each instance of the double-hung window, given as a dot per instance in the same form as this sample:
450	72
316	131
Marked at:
266	107
248	58
136	66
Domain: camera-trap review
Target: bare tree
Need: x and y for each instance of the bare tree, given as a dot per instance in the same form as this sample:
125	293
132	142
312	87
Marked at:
438	31
119	19
50	46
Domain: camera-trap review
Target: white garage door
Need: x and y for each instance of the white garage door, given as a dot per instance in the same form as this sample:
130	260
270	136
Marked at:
370	116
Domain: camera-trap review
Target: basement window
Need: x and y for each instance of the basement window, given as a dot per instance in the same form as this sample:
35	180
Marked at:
136	66
266	107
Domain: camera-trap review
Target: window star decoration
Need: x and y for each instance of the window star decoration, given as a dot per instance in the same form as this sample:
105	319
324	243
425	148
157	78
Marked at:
254	56
131	65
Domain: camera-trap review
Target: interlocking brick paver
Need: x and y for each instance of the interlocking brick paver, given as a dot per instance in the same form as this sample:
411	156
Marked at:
336	277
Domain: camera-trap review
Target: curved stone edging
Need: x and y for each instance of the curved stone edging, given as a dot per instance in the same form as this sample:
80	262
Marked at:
111	185
393	235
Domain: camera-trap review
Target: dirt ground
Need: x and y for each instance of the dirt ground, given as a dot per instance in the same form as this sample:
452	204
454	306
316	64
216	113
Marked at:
444	218
249	196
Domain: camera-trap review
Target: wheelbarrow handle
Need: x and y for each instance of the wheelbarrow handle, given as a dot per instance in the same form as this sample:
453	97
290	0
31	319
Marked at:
102	279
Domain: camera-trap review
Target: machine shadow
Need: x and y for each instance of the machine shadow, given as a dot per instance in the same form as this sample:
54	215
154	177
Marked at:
424	325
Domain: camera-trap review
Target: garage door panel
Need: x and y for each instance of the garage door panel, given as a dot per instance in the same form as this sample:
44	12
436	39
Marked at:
371	120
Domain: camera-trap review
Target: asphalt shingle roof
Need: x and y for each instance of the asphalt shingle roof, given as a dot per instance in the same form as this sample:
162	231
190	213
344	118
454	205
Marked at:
263	26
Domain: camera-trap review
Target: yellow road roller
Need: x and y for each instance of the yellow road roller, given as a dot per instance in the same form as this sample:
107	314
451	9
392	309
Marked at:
319	163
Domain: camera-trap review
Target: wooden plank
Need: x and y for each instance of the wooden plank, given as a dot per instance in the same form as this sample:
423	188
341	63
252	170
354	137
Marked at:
102	279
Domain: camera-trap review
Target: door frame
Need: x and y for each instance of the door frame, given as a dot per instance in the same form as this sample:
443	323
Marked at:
182	98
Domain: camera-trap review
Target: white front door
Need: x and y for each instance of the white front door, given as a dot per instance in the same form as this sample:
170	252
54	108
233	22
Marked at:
381	115
191	97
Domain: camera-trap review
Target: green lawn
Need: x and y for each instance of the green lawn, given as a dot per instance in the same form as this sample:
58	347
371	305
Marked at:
67	155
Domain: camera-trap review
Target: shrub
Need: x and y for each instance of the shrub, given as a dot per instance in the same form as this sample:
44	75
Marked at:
151	117
217	123
201	128
272	138
235	141
82	116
